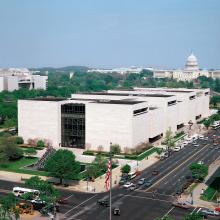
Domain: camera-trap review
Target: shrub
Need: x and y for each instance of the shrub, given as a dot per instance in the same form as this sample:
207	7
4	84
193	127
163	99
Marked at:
88	153
19	140
115	149
40	144
126	168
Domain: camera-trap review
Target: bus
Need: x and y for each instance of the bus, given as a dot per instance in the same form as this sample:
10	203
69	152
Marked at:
19	191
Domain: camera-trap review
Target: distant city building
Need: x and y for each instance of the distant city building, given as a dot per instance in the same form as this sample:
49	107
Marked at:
190	72
128	118
122	70
13	79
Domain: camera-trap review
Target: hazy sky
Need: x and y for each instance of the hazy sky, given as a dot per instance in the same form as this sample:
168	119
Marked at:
109	33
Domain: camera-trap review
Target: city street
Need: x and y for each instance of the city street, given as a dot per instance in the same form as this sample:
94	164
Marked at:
141	203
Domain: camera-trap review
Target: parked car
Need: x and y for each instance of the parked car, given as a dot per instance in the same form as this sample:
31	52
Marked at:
201	137
133	187
63	201
210	212
141	181
103	202
206	138
181	205
148	183
185	143
176	149
200	162
128	185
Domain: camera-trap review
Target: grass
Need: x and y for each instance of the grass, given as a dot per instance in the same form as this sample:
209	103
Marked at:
17	166
208	194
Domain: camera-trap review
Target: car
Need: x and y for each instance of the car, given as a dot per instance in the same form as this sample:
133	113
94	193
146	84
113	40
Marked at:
200	162
141	181
63	201
133	187
185	143
176	149
195	144
206	138
103	202
116	211
201	137
148	183
128	185
189	138
155	172
179	191
181	205
209	212
166	154
215	143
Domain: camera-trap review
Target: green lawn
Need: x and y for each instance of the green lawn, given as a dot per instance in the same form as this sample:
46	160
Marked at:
208	194
17	166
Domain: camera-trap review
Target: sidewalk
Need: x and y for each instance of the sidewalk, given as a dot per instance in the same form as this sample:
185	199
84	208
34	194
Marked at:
197	202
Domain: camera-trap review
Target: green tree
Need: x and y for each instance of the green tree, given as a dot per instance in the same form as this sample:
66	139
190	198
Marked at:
101	162
9	148
193	216
168	140
115	149
40	144
62	164
199	171
48	193
8	207
126	168
207	123
92	171
19	140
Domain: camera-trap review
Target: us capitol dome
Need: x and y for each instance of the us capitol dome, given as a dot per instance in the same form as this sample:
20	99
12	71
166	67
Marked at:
191	63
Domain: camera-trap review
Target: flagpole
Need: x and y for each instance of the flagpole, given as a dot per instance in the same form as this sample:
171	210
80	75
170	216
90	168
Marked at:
110	191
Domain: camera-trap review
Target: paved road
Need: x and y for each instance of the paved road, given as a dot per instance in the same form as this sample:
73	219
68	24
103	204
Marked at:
141	204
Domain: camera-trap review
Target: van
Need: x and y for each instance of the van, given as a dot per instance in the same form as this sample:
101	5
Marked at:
19	191
132	175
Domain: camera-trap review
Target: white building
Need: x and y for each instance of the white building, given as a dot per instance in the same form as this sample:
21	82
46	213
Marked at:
190	72
128	118
14	79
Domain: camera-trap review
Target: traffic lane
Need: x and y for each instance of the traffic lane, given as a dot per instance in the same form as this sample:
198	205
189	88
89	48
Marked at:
132	208
161	178
177	179
170	184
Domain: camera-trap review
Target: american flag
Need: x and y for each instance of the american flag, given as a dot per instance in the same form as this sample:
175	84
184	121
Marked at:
107	177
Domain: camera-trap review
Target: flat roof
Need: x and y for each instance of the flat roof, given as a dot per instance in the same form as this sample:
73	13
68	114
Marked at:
108	101
53	99
128	94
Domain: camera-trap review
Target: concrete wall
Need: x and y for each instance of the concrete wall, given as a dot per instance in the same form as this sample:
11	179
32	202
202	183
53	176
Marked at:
39	119
2	84
107	123
40	82
12	83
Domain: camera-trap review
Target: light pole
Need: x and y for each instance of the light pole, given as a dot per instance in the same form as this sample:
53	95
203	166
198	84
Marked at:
110	191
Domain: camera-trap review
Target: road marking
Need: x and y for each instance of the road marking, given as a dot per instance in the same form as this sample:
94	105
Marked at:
68	197
184	162
193	210
80	204
141	197
168	212
199	210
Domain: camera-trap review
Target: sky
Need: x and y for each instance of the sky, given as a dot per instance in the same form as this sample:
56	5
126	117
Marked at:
109	33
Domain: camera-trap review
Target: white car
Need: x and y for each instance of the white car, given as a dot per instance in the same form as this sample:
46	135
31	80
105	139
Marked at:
188	138
200	162
176	149
201	137
206	138
185	143
128	185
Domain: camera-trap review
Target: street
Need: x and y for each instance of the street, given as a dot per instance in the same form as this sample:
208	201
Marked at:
141	203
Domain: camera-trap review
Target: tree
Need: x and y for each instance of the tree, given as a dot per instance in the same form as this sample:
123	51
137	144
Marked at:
199	171
30	152
126	168
62	164
193	216
40	144
207	123
101	162
47	190
115	149
19	140
169	139
8	207
9	148
92	171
